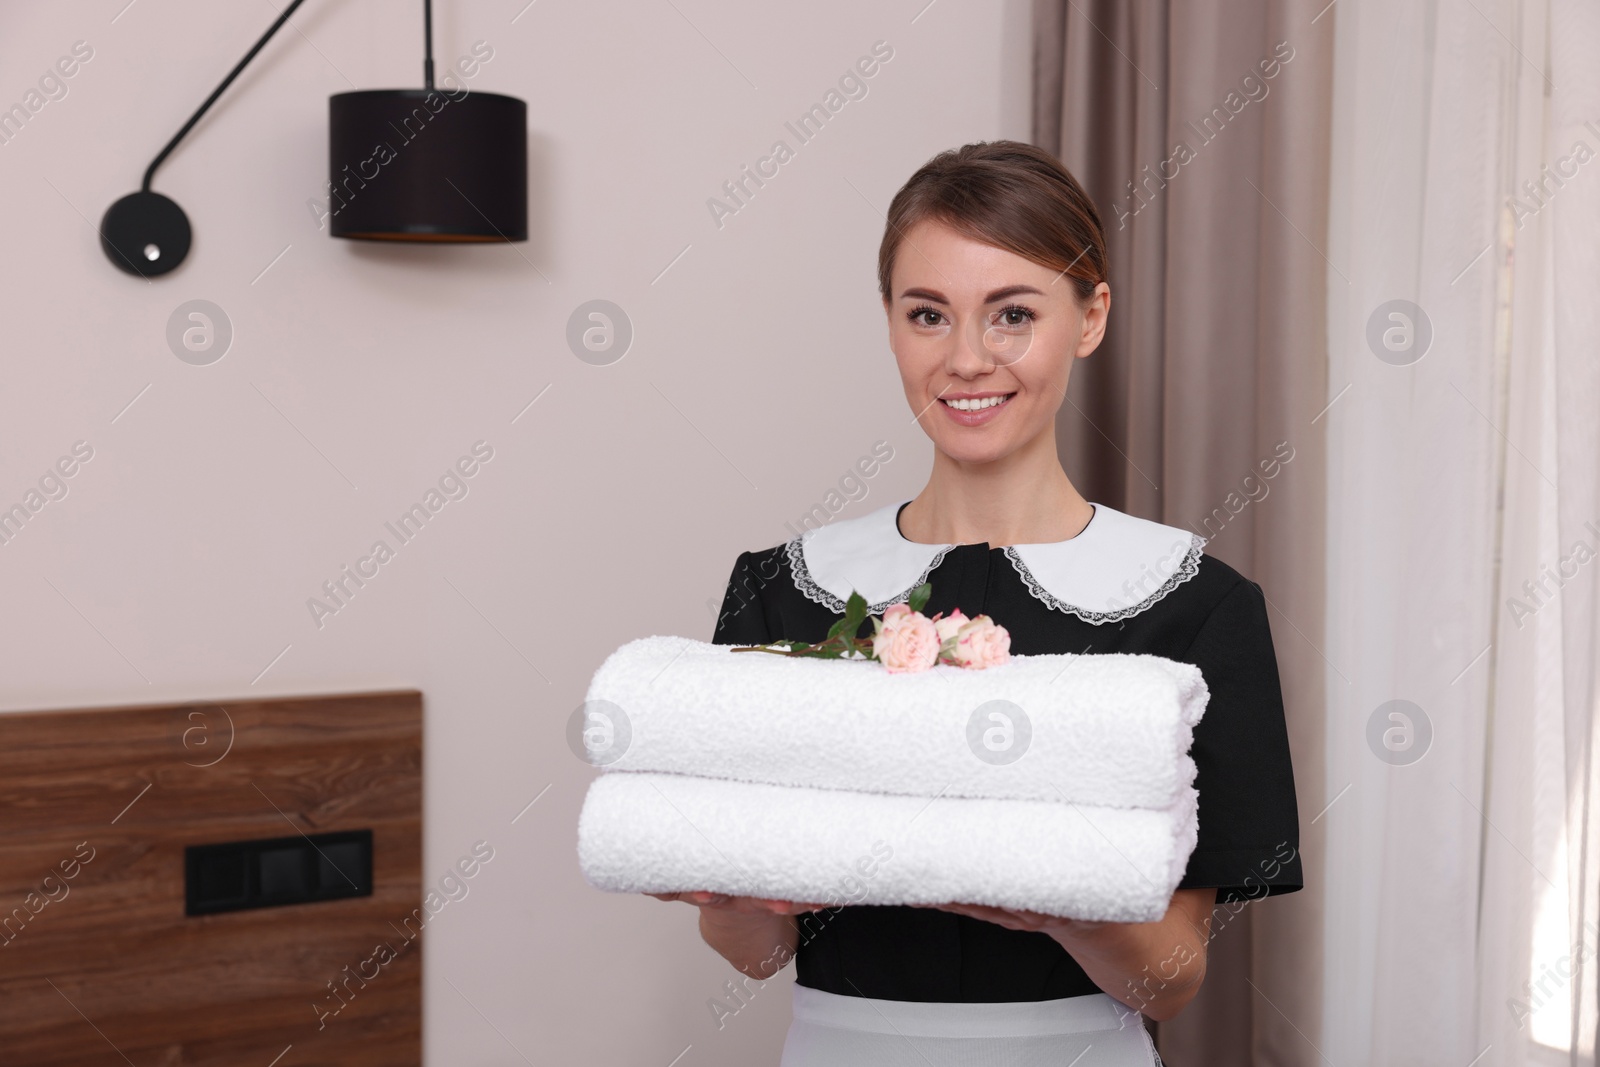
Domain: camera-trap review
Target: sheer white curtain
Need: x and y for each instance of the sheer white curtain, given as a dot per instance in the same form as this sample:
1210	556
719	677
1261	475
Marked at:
1464	526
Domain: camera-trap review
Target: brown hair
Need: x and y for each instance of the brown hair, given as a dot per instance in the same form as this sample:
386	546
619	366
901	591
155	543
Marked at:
1008	194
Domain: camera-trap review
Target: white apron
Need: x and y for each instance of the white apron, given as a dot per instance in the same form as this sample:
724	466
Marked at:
1089	1031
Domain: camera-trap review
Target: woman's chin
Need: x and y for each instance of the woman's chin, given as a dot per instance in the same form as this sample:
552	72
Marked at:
969	447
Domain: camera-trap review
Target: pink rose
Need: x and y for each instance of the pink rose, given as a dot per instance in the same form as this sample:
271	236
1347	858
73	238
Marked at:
981	643
906	640
947	626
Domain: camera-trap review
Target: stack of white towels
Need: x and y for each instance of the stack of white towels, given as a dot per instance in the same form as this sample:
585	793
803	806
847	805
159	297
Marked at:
755	774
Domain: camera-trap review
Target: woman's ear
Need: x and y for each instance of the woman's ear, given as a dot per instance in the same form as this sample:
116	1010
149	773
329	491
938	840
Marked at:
1095	312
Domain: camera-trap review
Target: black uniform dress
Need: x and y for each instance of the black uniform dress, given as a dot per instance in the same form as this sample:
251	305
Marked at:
1123	584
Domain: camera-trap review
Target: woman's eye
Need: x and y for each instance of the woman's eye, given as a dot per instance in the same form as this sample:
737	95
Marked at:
925	317
1015	316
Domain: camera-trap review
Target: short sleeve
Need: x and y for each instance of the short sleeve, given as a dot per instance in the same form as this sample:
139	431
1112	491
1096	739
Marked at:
1249	833
743	618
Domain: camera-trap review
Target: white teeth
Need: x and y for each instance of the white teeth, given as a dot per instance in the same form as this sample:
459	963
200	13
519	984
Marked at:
976	405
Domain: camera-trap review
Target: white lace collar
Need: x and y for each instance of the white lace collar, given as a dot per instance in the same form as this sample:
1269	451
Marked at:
1116	567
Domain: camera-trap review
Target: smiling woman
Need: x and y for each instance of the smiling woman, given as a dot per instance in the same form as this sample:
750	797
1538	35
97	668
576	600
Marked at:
992	272
993	254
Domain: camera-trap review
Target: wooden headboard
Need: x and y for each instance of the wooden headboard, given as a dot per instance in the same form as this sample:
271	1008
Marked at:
99	964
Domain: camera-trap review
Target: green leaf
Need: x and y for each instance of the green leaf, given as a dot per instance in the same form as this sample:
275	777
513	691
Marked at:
839	627
919	596
855	610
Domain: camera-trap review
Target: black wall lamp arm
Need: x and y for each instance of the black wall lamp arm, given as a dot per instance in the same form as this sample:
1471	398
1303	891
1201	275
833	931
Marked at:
146	233
479	156
150	172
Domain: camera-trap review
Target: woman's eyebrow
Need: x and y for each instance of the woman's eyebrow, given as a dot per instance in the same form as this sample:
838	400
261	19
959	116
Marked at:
999	294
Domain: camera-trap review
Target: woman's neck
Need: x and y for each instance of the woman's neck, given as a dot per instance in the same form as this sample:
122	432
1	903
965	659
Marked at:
1022	498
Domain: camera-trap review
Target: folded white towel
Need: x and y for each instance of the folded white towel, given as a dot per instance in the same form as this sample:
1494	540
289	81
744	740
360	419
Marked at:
1111	729
661	833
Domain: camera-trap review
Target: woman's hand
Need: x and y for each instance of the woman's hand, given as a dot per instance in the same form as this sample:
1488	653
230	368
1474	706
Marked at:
758	936
1154	968
1013	919
744	905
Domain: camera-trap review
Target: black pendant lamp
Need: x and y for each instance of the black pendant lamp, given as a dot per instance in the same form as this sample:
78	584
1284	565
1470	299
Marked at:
424	165
428	165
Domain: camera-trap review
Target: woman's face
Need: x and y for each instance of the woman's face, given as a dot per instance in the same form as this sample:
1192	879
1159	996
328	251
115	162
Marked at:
985	340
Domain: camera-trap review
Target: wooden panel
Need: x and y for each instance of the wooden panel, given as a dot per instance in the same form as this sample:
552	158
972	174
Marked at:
98	963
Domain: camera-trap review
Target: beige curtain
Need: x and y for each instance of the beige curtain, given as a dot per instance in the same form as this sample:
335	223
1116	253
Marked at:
1201	130
1464	520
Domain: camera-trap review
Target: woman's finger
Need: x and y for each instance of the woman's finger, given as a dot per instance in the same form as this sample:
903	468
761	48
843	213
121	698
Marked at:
709	899
1012	920
698	897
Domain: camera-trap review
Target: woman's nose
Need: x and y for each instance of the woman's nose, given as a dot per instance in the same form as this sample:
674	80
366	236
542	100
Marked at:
969	352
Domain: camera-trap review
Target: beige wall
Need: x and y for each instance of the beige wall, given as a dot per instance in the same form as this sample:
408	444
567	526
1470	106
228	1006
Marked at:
180	561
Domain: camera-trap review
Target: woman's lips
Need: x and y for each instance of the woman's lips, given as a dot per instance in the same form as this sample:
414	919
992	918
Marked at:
979	416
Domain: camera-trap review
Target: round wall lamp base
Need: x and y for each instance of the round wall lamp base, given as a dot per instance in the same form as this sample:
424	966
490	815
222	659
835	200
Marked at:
145	233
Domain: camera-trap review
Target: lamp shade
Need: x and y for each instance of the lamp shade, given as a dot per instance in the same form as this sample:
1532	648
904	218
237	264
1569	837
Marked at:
427	165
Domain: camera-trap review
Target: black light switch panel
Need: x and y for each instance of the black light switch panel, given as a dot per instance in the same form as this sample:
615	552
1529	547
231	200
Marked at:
276	871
